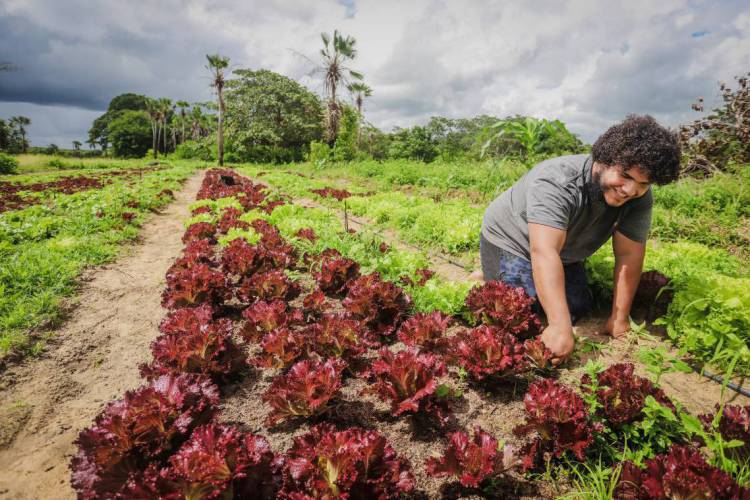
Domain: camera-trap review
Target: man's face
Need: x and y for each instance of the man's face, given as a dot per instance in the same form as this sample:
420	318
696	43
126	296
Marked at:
620	186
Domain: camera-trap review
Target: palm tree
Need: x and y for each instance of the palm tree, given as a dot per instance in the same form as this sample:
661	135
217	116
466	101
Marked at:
335	54
20	123
216	65
77	145
153	116
359	91
164	110
183	105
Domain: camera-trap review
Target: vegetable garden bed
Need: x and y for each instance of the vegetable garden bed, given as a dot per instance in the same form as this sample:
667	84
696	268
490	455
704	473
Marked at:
288	368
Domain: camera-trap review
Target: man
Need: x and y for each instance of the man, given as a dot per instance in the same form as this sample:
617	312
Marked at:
537	233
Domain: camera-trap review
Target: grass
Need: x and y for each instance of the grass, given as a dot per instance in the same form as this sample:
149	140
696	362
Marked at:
44	248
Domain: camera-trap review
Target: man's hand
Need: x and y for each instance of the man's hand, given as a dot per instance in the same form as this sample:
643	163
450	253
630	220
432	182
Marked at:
560	341
616	327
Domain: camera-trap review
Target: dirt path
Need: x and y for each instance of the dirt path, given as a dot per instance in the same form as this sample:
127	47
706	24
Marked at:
92	360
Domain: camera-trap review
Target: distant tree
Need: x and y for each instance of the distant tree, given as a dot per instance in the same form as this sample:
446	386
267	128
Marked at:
77	145
5	136
152	111
164	112
359	91
183	106
345	148
722	137
18	126
336	52
200	123
270	117
52	149
98	133
415	143
217	65
130	134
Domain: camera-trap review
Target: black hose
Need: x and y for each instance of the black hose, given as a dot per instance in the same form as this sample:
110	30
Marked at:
720	379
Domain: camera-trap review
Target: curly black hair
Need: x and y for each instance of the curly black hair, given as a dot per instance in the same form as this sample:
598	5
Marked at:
639	141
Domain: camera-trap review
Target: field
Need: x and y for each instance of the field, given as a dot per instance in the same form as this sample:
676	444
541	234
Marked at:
321	334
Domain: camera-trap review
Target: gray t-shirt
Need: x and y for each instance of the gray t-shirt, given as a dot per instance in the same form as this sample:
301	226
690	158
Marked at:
560	193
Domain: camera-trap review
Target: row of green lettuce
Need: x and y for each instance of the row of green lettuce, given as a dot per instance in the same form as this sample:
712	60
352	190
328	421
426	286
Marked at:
713	211
710	314
45	247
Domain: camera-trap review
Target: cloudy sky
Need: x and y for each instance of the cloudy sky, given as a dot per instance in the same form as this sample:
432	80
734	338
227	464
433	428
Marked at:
588	63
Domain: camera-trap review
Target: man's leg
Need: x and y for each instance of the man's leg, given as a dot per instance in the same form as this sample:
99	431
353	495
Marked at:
577	291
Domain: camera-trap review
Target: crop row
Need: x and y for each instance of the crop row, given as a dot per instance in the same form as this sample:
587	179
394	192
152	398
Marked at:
708	318
316	321
17	195
46	246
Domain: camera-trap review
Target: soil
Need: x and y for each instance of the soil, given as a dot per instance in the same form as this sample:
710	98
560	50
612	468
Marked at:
91	359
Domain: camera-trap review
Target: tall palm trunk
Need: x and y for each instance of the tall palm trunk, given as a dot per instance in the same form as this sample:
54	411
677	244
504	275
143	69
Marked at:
220	130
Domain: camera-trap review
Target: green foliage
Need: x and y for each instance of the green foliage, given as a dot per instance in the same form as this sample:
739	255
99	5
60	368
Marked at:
130	134
5	135
8	164
414	143
99	132
320	153
530	137
44	248
345	147
270	118
202	149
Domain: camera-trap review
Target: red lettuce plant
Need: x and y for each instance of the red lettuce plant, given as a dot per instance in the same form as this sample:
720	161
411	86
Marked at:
194	286
682	473
199	251
622	395
281	348
221	462
269	286
537	354
498	304
353	463
559	417
307	234
200	231
335	275
337	336
409	380
230	219
653	293
314	304
339	194
471	460
186	319
381	304
204	209
304	391
240	258
205	348
146	425
263	317
268	206
425	331
487	351
734	423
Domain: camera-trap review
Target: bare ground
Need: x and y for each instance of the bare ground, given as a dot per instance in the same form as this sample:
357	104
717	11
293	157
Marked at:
92	359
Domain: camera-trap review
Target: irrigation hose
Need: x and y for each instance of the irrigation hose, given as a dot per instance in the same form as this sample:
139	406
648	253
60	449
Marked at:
718	378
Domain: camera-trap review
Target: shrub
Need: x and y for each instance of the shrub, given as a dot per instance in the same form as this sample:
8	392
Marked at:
8	164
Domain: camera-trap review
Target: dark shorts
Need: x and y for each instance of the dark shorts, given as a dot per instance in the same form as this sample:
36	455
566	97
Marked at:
499	264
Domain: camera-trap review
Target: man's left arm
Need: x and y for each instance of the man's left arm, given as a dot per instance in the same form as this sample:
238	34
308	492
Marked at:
629	256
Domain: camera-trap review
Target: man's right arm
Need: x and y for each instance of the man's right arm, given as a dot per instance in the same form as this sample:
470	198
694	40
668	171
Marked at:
545	244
